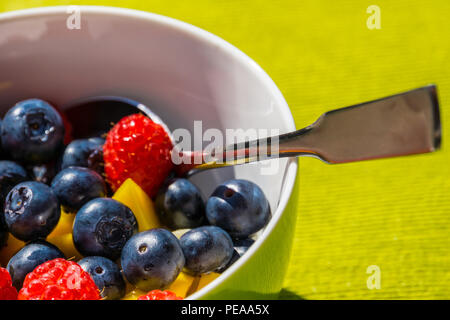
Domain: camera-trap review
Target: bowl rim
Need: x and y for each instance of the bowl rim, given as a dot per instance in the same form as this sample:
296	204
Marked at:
226	47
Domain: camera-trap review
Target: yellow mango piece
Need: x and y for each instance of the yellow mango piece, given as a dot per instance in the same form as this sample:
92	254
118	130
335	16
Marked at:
182	285
10	249
61	236
131	195
64	243
133	294
179	233
64	225
206	278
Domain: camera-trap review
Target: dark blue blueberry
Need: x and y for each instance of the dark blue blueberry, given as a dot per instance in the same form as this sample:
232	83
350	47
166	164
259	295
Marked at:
96	162
32	211
11	174
233	259
106	275
152	259
180	205
75	186
240	247
102	227
32	131
206	249
239	207
29	257
44	172
86	153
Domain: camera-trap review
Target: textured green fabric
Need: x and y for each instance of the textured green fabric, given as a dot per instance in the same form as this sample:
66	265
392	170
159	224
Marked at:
391	213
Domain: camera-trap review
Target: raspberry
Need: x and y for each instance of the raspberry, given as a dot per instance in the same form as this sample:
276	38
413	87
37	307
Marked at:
139	149
59	279
7	291
160	295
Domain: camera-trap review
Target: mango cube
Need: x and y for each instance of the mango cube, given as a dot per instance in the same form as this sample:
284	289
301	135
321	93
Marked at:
61	236
64	243
182	285
131	195
134	294
64	225
206	279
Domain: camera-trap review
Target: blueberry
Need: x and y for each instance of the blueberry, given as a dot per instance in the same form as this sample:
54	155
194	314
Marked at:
180	205
240	247
95	161
75	186
206	249
44	172
239	207
102	227
31	211
32	131
84	153
106	275
152	259
11	174
29	257
233	259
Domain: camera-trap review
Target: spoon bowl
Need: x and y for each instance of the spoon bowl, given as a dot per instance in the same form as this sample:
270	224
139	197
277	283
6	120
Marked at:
103	111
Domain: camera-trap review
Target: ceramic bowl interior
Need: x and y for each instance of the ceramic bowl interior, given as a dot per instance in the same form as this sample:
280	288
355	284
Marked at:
182	73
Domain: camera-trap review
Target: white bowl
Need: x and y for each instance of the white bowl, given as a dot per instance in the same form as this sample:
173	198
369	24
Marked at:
183	74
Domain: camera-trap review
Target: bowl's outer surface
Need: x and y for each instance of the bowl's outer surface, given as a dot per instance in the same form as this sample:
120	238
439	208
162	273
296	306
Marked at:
183	74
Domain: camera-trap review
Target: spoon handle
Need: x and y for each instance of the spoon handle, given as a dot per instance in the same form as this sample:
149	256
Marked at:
402	124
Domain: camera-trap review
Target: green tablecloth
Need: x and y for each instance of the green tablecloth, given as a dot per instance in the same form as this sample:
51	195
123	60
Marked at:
394	213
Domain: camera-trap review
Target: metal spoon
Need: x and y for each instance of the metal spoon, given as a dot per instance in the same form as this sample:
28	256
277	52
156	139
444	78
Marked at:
402	124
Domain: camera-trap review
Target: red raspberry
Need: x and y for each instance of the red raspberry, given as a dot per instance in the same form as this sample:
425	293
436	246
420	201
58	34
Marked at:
59	279
7	291
139	149
160	295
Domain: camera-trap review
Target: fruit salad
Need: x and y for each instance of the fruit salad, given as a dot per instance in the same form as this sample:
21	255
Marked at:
106	217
